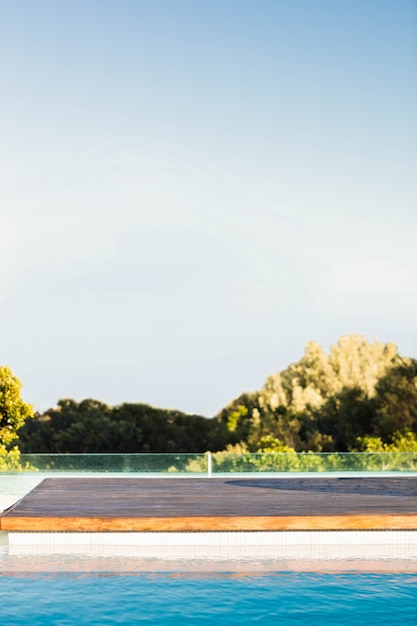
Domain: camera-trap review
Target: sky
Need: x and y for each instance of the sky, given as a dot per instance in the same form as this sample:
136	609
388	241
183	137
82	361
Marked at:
192	190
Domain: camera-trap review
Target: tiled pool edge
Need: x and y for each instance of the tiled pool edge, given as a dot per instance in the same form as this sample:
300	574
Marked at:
290	549
216	538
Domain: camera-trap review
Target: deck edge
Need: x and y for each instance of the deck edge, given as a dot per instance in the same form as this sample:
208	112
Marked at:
209	523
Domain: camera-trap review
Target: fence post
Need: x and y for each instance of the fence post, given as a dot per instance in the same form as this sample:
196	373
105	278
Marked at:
208	464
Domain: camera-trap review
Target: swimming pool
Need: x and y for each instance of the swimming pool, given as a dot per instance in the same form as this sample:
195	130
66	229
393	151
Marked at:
100	579
225	598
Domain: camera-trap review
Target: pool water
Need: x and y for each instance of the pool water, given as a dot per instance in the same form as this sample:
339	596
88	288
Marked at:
216	599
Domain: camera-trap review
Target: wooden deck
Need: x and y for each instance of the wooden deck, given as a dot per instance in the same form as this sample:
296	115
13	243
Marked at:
215	504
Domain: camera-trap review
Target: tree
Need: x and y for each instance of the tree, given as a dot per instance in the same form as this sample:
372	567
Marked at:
396	400
90	426
345	416
13	410
239	417
13	413
324	401
401	442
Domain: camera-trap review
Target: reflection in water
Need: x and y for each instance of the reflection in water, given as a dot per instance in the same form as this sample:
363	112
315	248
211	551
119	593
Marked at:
386	599
199	559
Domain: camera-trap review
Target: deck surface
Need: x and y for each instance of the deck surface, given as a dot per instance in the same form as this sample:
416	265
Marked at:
215	504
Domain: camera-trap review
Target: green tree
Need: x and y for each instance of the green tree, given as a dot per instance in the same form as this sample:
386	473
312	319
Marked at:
345	416
13	410
322	402
396	400
401	442
13	413
239	417
91	426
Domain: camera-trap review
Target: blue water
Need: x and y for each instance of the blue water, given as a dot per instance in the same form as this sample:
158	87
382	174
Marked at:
218	599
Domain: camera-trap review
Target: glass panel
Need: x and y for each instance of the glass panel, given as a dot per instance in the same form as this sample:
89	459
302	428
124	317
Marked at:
150	463
222	462
315	462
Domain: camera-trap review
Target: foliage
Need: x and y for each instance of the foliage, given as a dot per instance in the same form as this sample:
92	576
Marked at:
239	415
273	456
396	400
10	460
324	402
90	426
13	410
401	442
13	413
290	461
331	402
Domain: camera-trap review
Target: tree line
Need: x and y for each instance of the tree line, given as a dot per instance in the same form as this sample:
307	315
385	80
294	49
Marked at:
359	396
92	426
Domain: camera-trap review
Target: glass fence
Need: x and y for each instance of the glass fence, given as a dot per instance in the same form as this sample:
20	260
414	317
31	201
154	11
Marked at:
213	463
315	462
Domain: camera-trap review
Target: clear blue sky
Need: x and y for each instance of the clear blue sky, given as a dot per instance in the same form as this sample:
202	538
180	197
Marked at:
192	190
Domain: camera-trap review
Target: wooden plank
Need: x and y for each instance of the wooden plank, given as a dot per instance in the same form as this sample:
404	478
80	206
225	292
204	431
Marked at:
201	504
181	497
207	523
